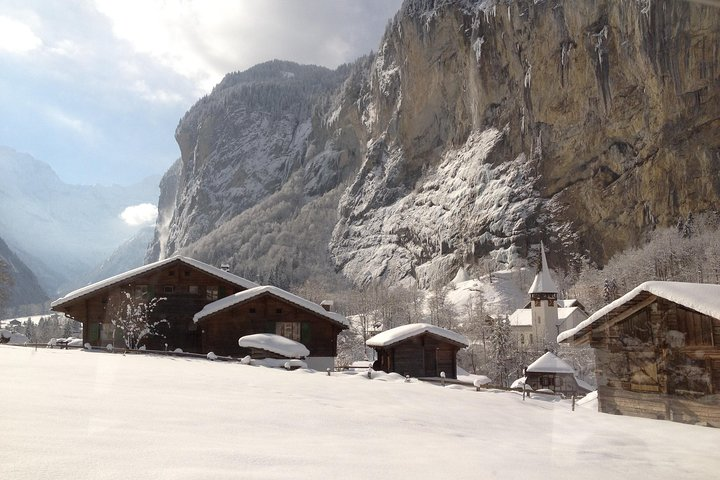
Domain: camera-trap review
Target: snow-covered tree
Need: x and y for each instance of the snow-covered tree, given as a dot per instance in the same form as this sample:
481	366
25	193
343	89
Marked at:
130	316
476	326
502	350
441	310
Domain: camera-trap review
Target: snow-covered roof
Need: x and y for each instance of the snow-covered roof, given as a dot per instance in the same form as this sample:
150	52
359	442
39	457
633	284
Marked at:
214	271
550	363
701	297
522	317
398	334
568	302
240	297
274	343
543	283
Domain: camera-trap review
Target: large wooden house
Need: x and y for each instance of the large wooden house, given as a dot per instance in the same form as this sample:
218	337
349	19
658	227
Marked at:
657	352
418	350
191	291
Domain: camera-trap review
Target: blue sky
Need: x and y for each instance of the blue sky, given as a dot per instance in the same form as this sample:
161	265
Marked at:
96	88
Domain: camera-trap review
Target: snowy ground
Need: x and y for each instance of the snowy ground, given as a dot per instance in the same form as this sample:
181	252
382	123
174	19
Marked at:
85	415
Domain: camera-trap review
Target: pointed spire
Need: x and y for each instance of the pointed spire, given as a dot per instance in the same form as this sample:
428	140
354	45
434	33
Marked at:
543	283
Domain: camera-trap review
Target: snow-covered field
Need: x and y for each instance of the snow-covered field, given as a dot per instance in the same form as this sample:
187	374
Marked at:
87	415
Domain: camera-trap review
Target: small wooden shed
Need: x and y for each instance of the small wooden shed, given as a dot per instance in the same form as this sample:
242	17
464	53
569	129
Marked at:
418	350
269	309
657	352
552	373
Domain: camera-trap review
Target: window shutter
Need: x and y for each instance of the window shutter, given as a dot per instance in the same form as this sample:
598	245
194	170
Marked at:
305	333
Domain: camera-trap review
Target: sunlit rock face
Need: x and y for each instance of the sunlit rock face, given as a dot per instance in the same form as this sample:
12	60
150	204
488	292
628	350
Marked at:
496	124
477	129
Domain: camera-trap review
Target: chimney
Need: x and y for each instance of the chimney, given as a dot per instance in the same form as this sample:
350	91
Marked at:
225	267
327	305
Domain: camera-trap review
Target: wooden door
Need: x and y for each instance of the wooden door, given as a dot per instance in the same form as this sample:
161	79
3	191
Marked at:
431	362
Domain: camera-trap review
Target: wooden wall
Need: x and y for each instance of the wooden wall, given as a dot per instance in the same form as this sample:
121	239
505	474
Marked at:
564	383
658	406
420	356
93	310
663	361
220	332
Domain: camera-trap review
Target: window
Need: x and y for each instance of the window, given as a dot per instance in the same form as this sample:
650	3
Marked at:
193	289
169	289
522	339
278	310
551	302
252	310
187	273
171	273
140	291
531	338
289	330
211	293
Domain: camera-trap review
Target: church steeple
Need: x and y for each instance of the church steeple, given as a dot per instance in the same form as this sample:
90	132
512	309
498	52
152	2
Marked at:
543	283
543	303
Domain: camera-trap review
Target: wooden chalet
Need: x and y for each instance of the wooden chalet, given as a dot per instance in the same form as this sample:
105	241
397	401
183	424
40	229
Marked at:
185	284
551	373
657	352
418	350
269	309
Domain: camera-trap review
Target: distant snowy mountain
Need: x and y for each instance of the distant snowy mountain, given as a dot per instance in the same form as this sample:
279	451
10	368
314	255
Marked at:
129	255
62	231
25	288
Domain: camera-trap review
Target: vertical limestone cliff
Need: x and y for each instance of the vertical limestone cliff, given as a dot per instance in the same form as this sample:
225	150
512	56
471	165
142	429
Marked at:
477	129
501	123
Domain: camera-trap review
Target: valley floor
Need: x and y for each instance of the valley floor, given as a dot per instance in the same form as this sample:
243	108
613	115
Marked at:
88	415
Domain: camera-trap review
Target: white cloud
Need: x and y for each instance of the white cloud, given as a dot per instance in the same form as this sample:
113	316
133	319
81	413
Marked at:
202	40
17	37
142	214
70	122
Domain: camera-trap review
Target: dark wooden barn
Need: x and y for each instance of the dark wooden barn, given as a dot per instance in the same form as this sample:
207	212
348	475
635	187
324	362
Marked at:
269	309
185	284
552	373
419	350
657	352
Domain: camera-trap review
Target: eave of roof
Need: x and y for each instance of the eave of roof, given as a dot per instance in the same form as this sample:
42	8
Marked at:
701	297
130	274
241	297
549	363
396	335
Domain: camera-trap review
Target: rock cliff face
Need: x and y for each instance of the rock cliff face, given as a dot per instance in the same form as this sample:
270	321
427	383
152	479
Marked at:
239	144
477	129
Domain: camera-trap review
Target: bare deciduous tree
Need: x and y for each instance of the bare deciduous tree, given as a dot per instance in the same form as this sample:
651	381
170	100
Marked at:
130	316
